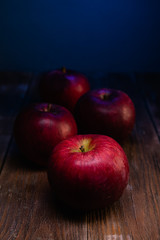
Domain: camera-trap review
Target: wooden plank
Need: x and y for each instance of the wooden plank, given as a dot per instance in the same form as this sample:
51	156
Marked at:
137	214
28	210
13	88
150	86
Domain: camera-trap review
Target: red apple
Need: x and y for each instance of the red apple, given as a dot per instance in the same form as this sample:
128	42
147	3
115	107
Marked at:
39	127
105	111
88	171
63	87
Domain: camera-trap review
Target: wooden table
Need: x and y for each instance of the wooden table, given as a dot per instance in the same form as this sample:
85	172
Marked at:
27	208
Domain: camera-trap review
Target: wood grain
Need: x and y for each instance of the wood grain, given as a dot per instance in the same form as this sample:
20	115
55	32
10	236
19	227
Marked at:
13	89
133	216
150	86
29	211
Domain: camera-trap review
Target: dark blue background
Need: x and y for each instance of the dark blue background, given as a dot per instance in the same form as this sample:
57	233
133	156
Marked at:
87	35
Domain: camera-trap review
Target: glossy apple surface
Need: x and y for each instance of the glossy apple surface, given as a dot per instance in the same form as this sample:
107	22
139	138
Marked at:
39	127
88	171
63	87
105	111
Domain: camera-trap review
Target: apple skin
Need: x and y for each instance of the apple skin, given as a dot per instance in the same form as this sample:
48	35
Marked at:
39	127
63	87
88	180
105	111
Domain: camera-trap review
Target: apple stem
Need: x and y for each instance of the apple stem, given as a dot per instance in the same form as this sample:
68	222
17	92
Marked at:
105	96
63	69
49	107
82	148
